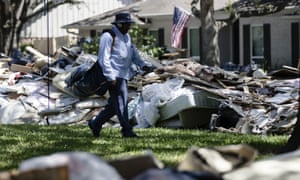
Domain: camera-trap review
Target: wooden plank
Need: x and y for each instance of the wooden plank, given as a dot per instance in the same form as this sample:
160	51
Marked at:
3	64
53	173
5	59
137	165
35	52
5	175
289	68
21	68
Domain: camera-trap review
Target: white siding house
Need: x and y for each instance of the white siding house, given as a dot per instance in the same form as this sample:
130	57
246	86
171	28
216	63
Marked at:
158	17
49	25
271	40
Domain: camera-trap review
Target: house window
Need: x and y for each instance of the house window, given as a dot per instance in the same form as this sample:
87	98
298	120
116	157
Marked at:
194	42
257	44
154	33
93	33
159	36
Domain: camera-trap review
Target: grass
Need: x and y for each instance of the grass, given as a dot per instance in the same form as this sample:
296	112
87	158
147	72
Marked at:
21	142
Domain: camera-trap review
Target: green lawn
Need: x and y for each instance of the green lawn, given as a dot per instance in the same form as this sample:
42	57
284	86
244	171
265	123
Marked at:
20	142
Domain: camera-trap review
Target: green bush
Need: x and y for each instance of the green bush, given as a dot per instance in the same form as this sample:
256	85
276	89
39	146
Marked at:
24	45
143	41
91	47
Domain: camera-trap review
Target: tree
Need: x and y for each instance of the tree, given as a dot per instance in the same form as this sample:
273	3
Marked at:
246	8
209	34
15	13
209	50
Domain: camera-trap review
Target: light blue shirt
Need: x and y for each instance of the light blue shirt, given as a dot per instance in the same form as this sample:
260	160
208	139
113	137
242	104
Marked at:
116	60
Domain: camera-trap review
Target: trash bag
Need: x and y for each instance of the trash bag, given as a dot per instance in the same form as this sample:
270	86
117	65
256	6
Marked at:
228	117
19	58
163	91
77	74
147	113
85	81
132	106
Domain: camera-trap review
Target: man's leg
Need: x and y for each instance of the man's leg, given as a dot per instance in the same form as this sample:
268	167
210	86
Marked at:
101	118
119	99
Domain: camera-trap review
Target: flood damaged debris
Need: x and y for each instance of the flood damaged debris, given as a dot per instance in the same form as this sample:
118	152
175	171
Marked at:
179	93
232	162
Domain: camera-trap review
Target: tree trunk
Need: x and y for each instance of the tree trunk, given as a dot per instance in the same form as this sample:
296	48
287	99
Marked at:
210	52
1	22
5	28
10	25
15	13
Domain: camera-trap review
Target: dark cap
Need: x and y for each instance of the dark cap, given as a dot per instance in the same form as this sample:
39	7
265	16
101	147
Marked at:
123	18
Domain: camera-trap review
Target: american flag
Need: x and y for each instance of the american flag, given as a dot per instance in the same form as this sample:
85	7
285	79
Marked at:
180	19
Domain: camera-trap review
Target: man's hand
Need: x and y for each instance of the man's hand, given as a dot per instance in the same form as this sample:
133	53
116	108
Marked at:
113	83
147	69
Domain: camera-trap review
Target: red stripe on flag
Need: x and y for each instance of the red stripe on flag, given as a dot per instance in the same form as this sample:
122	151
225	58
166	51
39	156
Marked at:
180	19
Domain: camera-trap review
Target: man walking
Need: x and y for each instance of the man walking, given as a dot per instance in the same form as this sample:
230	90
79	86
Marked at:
116	56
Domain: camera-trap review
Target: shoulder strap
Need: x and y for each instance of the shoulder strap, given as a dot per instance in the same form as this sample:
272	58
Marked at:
113	35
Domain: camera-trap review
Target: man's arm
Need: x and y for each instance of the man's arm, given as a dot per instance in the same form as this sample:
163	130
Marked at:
104	55
145	66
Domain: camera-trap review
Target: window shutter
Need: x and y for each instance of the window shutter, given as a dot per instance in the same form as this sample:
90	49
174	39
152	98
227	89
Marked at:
161	37
199	30
93	33
184	40
201	45
236	42
295	43
267	45
246	46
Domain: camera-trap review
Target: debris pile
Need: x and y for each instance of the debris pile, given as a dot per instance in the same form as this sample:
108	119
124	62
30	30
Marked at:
178	93
232	162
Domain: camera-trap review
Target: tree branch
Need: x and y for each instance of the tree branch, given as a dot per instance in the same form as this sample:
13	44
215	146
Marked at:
50	5
194	9
248	8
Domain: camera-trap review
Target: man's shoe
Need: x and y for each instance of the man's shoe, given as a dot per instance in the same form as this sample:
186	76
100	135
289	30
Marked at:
129	134
95	132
